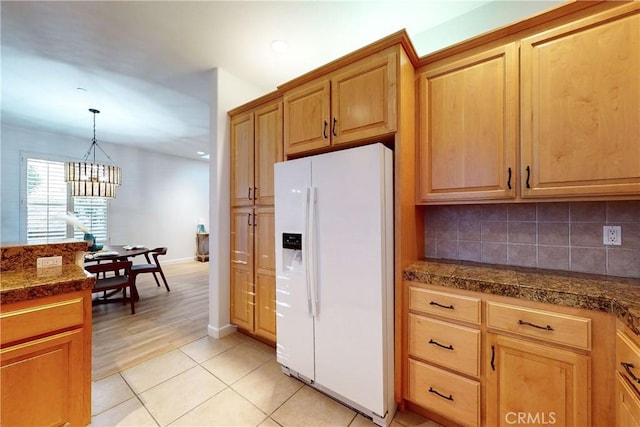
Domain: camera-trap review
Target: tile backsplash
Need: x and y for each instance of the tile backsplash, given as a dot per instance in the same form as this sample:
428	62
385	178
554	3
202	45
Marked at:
560	236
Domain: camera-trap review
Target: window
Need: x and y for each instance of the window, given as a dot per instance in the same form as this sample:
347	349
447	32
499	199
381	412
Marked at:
48	201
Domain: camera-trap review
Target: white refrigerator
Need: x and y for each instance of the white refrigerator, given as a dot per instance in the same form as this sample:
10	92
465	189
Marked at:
334	275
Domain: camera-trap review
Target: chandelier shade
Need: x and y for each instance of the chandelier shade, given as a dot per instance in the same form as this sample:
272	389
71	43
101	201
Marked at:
91	179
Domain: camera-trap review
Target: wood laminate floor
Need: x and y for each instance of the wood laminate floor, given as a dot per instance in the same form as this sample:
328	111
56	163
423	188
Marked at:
163	321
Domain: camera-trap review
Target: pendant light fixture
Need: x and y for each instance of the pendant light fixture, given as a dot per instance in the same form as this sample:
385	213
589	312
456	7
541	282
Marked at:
93	179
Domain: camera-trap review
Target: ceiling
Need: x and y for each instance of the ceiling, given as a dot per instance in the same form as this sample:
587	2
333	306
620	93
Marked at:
146	65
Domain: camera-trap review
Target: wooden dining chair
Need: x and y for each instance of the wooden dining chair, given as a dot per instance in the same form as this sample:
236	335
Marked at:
151	267
110	285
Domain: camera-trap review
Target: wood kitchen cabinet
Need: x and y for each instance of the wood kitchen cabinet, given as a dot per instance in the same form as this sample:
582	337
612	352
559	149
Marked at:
542	384
546	383
468	127
242	270
252	293
581	107
45	361
444	351
548	109
357	102
627	377
481	359
265	273
256	144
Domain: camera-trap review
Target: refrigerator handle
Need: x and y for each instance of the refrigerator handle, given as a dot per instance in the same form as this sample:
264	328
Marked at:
312	252
305	247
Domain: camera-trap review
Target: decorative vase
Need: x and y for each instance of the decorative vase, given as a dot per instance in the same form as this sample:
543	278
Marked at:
91	241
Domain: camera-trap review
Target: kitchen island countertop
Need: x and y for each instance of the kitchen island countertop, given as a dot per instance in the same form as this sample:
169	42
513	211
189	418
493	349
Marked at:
21	285
616	295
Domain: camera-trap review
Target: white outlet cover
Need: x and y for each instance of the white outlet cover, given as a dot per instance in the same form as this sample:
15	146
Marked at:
612	235
52	261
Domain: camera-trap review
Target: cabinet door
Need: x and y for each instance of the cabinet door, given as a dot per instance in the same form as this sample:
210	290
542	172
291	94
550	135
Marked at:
306	117
581	108
268	150
364	99
42	381
242	290
242	181
468	128
530	383
265	274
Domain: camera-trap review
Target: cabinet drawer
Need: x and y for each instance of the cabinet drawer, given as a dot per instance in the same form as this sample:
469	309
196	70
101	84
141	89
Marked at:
628	404
450	395
552	327
453	346
628	360
40	319
444	304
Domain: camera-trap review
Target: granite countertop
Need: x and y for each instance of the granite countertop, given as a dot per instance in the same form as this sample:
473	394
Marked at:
617	295
20	285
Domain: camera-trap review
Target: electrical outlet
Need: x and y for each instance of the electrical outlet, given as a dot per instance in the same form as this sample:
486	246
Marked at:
612	235
51	261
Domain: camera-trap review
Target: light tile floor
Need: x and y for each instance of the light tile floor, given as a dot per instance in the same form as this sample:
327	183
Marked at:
233	381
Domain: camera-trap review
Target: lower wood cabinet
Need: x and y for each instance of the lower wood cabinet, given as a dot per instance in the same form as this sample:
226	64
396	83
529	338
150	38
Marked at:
45	361
252	296
534	384
627	377
448	394
477	359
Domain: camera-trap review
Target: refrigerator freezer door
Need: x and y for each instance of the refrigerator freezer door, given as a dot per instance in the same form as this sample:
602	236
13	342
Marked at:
352	218
294	322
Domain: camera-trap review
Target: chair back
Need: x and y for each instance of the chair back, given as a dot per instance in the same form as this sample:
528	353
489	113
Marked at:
114	267
155	253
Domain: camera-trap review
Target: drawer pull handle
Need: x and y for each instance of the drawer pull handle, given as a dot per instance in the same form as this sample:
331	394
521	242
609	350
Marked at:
446	347
628	367
546	328
432	390
450	307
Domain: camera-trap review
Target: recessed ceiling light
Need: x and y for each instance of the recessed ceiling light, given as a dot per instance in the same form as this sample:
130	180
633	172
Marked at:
206	157
200	153
279	46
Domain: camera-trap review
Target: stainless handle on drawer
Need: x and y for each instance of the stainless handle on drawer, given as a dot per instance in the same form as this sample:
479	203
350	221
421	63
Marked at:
628	368
446	347
546	328
432	390
450	307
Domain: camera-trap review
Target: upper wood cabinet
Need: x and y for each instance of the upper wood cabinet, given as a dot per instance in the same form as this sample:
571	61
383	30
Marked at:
581	107
256	144
357	102
468	127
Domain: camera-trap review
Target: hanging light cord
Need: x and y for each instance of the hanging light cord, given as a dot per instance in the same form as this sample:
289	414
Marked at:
94	142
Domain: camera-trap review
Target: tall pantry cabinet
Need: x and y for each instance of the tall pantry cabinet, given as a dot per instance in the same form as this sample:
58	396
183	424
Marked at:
256	144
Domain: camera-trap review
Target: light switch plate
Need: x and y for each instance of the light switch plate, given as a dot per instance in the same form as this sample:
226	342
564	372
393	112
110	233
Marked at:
51	261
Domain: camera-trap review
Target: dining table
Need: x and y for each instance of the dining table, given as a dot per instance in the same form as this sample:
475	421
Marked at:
116	252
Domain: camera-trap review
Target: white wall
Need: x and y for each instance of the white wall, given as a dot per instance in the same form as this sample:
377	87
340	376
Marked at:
226	93
159	203
480	20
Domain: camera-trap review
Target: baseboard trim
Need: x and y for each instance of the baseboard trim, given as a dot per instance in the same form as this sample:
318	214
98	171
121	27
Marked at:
220	332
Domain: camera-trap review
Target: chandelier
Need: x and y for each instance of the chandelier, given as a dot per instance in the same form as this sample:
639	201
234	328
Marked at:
91	179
